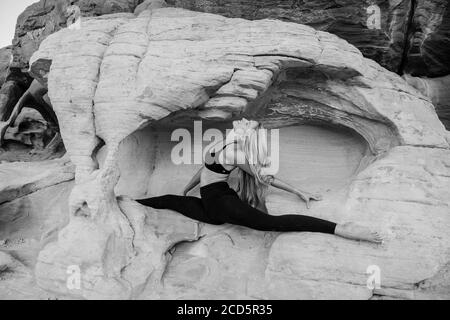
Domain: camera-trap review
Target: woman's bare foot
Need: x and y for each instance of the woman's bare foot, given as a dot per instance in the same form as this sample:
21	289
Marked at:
353	231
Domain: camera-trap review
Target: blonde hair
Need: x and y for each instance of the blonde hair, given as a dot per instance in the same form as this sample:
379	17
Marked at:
253	188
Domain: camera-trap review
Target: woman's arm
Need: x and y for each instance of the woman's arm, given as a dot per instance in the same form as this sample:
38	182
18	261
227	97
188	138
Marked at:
277	183
194	181
306	196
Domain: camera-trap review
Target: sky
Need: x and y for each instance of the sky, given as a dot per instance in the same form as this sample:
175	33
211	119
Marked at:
9	11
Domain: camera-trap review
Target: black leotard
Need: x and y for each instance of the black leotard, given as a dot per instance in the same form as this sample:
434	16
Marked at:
211	164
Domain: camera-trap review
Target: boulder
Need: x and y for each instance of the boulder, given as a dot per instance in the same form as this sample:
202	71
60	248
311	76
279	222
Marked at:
123	83
428	49
45	17
15	85
377	28
436	89
30	129
6	261
30	222
150	4
33	208
5	59
20	178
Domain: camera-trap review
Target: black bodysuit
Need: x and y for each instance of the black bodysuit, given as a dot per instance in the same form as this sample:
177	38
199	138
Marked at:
220	204
211	164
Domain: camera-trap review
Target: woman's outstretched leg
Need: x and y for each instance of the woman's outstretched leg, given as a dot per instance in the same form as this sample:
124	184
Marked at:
235	211
289	222
240	213
191	207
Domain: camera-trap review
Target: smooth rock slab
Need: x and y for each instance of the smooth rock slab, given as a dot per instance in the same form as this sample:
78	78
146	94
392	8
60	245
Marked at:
18	179
231	262
156	232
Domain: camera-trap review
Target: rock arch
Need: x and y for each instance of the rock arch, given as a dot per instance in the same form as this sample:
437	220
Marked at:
120	73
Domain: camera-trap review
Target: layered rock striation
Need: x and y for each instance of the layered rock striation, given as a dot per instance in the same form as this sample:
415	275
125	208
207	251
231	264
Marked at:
122	81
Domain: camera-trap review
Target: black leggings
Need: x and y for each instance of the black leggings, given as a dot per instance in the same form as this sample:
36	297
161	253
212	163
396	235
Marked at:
220	204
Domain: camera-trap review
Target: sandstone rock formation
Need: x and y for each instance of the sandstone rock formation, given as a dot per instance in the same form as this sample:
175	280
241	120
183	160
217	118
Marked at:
20	179
35	97
36	23
150	5
428	51
379	32
408	35
5	59
45	17
31	130
33	208
31	125
16	281
122	83
437	89
401	35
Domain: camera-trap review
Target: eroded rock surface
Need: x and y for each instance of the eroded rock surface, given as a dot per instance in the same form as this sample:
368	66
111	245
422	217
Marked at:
30	129
22	178
38	21
436	89
402	35
45	17
355	132
136	71
17	281
155	232
400	193
377	28
397	34
215	84
428	52
5	59
33	214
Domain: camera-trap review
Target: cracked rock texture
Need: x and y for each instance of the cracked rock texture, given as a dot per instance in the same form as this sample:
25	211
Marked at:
349	129
45	17
22	178
31	130
428	51
37	22
410	35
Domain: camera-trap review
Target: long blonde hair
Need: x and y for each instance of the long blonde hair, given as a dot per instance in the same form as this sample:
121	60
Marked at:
253	188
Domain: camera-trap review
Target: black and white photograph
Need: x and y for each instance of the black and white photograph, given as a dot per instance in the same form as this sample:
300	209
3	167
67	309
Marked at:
239	151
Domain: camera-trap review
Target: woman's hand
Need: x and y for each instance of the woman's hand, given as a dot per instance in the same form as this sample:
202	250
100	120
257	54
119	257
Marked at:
307	197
